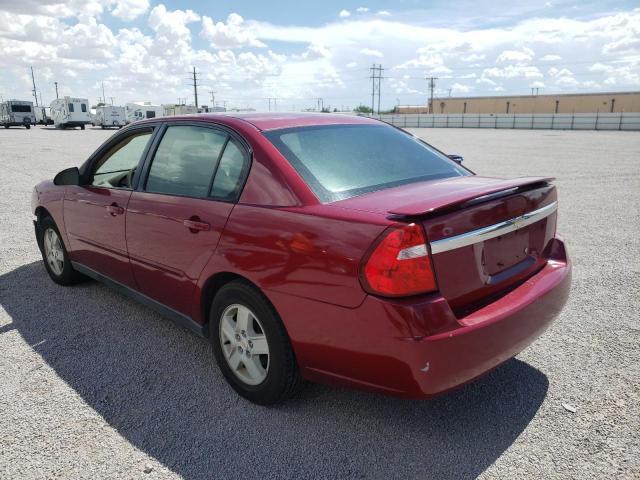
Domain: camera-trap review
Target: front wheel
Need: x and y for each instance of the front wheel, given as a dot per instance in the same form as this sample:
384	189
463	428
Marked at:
81	127
27	126
54	254
251	345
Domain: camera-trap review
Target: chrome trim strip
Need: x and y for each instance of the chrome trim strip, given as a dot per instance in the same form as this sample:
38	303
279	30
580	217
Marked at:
492	231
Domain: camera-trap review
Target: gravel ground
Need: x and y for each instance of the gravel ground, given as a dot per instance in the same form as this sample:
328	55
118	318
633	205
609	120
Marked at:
93	385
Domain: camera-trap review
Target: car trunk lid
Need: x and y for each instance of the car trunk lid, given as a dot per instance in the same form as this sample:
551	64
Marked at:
486	235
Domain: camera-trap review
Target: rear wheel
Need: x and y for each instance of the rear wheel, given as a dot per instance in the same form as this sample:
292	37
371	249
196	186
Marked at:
251	345
27	126
81	127
54	254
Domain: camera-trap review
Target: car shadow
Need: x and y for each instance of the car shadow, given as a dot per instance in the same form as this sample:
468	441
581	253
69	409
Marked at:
158	386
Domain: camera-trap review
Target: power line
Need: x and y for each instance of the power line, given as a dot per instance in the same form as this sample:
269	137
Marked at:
194	84
432	86
376	80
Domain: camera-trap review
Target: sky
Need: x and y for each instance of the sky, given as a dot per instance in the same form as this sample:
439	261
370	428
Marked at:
247	51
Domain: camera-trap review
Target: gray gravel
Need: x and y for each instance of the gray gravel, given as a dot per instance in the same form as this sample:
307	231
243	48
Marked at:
93	385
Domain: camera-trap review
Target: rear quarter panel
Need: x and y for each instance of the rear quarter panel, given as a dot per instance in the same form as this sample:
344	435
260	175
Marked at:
310	252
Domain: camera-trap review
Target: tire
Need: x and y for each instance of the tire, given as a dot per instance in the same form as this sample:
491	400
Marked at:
28	127
81	127
281	374
65	275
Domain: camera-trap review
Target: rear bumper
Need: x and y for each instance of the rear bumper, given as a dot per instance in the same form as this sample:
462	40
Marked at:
369	348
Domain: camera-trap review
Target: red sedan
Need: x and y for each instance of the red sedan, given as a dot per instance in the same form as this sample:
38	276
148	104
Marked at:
330	248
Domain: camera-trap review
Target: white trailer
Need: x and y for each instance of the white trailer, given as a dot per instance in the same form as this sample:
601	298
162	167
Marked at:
141	110
17	113
173	109
70	112
109	116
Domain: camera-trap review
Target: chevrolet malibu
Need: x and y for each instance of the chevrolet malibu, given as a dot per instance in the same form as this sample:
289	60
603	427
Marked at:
317	247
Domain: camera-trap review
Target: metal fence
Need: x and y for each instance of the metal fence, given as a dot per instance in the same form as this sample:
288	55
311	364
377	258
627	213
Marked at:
548	121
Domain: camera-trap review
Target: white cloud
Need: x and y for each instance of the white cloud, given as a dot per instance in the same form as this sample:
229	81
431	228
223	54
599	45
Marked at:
315	51
128	10
344	13
384	13
371	52
362	9
233	34
517	56
460	88
550	58
351	64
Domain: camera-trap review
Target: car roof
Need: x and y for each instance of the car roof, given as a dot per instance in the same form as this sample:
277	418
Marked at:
272	121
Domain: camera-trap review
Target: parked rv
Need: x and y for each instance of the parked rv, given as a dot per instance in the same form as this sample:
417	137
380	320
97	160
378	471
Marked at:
69	112
108	116
171	110
141	110
17	113
43	116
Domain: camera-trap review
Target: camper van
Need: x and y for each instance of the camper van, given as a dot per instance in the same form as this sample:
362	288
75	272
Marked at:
108	116
141	110
17	113
69	112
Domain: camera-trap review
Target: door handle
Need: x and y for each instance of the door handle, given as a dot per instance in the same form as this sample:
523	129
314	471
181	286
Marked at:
195	225
115	209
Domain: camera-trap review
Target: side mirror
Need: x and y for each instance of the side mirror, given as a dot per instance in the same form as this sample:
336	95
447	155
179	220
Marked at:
456	158
69	176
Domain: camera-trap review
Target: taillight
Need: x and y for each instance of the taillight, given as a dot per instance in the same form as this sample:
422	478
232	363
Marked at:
399	265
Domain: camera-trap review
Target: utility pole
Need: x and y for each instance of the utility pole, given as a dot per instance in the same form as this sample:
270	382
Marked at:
56	83
104	99
194	83
320	104
213	99
111	98
35	92
376	77
432	86
275	103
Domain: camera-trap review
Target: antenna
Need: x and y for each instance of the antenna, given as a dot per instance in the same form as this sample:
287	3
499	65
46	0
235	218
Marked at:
35	93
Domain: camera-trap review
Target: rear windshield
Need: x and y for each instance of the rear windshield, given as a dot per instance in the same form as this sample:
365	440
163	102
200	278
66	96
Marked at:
343	161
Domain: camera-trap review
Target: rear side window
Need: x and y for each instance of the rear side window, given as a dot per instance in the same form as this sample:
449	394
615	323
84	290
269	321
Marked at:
185	161
83	107
71	107
343	161
230	173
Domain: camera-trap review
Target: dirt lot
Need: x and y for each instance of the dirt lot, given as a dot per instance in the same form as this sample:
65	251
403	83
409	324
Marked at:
93	385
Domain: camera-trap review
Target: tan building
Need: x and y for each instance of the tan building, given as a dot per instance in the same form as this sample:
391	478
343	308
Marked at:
560	103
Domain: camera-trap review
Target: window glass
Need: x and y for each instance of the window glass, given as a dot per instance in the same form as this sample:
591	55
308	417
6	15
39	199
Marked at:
116	168
83	107
185	161
21	108
230	172
71	107
342	161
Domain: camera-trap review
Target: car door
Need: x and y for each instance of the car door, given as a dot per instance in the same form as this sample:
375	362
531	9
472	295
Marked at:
177	214
94	212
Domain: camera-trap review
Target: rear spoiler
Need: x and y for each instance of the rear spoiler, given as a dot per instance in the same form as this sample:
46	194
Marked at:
446	199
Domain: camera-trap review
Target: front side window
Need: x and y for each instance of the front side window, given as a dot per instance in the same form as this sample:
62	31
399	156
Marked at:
116	168
185	161
71	107
83	107
343	161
